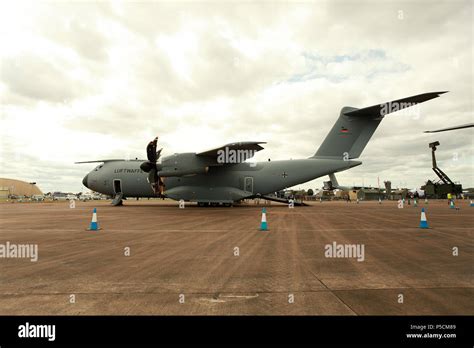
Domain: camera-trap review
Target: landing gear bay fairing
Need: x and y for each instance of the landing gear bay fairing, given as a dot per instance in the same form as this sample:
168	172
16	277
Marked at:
224	175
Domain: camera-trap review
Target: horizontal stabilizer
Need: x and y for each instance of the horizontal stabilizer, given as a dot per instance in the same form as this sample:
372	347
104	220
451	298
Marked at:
381	110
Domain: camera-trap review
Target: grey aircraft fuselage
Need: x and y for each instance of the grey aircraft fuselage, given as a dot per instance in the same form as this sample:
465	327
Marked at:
222	184
203	178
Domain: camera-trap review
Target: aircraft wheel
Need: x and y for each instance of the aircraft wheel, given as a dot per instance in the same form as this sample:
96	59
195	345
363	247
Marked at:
227	204
214	204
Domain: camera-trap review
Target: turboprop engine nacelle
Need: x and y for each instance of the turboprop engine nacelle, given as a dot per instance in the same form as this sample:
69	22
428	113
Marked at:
183	164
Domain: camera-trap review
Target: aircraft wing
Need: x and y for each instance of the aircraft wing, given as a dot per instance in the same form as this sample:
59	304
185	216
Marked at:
106	160
250	146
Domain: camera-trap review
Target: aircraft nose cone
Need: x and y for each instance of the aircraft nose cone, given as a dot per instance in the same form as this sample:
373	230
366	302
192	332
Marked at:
84	181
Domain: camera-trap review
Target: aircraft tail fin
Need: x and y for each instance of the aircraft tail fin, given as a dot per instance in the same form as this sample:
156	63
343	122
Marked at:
354	127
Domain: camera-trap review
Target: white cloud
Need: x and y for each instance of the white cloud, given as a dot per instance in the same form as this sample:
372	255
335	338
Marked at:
85	81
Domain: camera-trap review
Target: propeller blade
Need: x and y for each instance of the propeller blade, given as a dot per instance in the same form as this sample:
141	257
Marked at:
158	154
151	150
152	168
152	176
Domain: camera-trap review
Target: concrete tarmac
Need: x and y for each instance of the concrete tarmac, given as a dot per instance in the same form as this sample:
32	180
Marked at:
186	261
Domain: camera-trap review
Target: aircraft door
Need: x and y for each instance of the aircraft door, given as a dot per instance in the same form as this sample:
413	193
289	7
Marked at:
248	184
117	186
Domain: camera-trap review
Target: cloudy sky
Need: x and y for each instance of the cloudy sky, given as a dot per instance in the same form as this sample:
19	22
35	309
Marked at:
92	80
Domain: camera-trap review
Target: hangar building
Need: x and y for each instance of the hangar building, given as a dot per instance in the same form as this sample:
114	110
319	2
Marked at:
18	188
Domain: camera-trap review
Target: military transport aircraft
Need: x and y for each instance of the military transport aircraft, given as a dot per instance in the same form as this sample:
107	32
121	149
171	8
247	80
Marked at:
224	175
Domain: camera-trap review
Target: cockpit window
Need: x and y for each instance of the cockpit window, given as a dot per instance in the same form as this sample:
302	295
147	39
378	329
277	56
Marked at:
98	167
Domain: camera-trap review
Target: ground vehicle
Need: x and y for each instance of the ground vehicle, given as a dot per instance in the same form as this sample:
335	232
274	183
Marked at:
96	196
37	198
85	197
59	196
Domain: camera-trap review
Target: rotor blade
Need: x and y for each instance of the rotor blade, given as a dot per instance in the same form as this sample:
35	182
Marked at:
451	128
